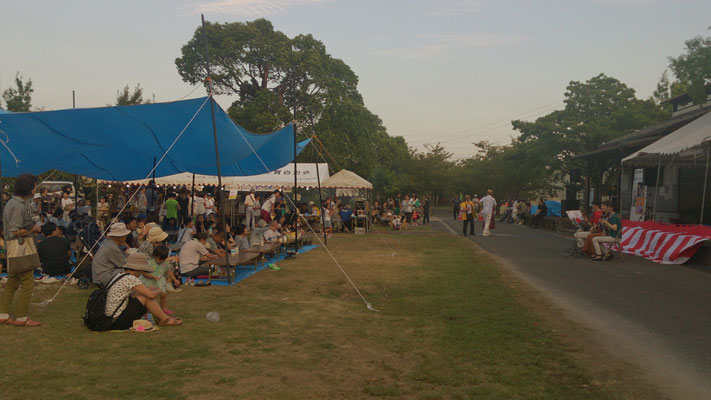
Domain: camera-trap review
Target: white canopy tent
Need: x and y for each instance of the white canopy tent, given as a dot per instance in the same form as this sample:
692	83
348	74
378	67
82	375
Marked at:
281	178
346	183
690	143
687	143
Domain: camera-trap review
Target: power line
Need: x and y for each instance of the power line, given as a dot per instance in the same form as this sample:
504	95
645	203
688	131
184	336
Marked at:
506	120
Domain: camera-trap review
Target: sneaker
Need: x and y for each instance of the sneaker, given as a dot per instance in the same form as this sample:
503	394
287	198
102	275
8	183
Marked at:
274	267
49	279
73	281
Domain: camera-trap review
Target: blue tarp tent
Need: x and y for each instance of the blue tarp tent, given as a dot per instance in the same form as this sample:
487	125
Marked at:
554	208
119	143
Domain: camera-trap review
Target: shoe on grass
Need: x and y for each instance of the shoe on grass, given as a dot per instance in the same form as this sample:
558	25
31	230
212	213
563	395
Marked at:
274	267
27	323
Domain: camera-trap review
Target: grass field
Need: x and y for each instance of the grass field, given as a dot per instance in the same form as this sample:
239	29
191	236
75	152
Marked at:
449	326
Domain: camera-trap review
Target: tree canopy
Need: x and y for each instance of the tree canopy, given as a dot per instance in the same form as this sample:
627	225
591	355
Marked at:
19	97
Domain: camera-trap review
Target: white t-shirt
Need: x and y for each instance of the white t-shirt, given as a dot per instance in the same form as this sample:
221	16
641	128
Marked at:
67	202
199	205
209	206
190	255
271	234
186	234
408	205
118	292
489	203
249	200
326	214
269	203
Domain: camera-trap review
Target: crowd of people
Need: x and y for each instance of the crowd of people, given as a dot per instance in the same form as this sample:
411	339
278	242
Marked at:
152	241
402	212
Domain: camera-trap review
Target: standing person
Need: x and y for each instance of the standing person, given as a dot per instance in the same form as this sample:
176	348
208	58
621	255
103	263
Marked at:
250	215
540	213
142	202
18	226
67	204
407	208
455	206
466	209
268	207
199	205
488	204
184	207
171	207
327	225
426	211
209	205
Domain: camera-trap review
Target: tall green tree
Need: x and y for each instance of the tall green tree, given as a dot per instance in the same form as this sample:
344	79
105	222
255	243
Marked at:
248	58
19	97
596	111
692	72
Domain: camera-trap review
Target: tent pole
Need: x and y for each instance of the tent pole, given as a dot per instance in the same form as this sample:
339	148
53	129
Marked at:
706	178
320	207
221	208
656	188
154	171
192	200
296	208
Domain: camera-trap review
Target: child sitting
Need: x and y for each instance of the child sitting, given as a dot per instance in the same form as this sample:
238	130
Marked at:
397	222
162	272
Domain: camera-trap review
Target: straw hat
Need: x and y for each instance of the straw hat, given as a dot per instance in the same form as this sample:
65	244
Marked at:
142	325
118	229
262	223
156	234
138	262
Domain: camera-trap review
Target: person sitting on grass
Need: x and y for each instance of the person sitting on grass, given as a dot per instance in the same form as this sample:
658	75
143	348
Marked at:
192	254
162	273
109	260
128	299
54	251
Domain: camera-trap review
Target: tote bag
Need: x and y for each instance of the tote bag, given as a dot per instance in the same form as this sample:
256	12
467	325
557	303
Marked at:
22	255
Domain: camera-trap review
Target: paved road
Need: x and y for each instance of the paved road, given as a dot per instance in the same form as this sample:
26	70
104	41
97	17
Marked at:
656	316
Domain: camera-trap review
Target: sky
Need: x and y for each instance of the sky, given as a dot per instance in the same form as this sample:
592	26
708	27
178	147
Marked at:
447	71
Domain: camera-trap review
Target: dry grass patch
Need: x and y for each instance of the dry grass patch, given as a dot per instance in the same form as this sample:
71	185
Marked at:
448	327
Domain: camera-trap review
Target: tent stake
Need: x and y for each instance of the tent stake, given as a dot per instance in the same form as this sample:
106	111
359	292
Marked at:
221	208
706	178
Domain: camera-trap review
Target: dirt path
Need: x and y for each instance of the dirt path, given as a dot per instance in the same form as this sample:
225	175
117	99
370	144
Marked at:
534	260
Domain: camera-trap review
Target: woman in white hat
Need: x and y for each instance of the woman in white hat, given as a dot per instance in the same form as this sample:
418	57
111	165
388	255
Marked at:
155	237
128	299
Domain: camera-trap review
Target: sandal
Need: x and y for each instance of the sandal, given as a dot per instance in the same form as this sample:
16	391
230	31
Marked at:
597	258
171	322
28	322
167	311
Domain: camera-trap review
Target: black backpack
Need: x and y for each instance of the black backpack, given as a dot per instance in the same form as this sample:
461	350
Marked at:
95	317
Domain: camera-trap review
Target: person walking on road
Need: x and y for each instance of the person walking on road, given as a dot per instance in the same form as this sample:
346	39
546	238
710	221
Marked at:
541	212
468	215
455	206
488	206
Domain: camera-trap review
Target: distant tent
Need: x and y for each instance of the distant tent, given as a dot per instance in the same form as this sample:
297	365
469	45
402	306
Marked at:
120	143
280	178
346	183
